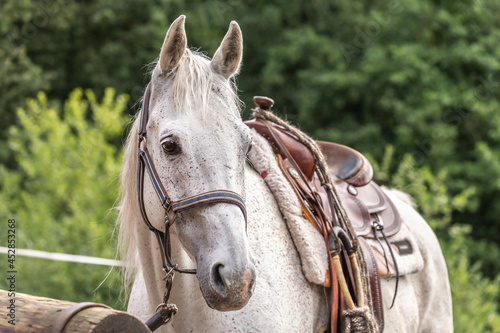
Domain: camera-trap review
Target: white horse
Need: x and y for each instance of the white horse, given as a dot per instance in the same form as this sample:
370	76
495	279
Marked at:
249	277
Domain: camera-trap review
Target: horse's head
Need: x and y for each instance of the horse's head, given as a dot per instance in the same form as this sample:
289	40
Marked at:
198	144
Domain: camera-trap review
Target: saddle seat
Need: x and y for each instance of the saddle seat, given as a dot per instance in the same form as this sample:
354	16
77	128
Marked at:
346	163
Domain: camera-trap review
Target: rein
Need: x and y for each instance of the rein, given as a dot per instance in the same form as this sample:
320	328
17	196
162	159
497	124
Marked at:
165	311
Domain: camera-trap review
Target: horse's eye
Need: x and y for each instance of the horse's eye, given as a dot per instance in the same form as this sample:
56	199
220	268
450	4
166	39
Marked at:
170	146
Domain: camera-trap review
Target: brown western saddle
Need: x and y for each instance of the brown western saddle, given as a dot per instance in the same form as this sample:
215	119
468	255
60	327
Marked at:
355	209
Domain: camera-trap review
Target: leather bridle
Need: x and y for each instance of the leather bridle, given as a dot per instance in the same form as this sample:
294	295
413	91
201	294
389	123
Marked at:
172	208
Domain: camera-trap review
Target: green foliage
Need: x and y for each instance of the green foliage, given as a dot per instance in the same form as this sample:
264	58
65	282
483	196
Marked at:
430	190
420	75
69	281
475	307
62	193
20	77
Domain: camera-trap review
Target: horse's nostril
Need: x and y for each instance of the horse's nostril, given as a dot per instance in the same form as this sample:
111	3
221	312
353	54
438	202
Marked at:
252	285
217	279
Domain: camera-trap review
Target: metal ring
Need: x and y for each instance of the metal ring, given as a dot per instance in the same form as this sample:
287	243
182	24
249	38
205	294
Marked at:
141	140
169	221
164	305
160	305
379	223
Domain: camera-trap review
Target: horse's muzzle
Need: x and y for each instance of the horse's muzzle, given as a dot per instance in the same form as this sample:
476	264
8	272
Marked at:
229	288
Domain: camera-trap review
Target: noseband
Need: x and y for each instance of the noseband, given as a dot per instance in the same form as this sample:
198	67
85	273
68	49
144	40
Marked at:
172	208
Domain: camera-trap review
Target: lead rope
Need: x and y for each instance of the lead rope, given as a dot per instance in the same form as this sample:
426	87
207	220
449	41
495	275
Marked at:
164	312
358	319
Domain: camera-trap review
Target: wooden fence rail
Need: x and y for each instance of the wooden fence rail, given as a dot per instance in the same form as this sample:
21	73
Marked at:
26	314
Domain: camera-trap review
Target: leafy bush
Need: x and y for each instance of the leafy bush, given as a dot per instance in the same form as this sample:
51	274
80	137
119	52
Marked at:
63	191
475	307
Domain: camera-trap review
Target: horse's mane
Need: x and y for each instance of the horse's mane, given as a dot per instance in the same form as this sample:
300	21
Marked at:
193	81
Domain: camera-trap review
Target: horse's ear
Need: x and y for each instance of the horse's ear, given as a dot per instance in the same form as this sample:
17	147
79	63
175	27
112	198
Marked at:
174	46
227	58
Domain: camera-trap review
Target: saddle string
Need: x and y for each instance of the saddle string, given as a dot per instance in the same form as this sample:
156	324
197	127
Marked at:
382	247
378	226
395	267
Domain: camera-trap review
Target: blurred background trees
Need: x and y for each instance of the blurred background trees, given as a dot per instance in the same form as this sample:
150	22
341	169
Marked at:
62	191
415	85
